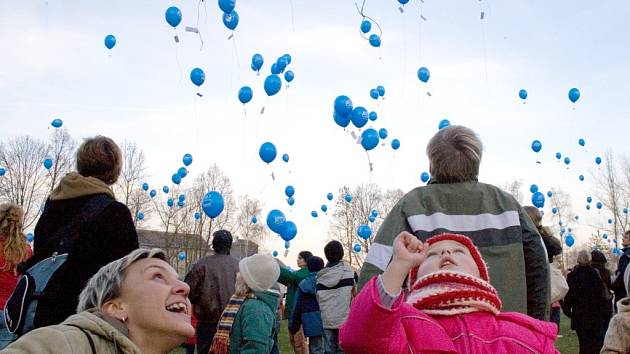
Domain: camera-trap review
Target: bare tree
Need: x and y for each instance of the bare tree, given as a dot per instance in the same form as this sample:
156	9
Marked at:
129	184
515	189
60	150
25	179
244	227
563	217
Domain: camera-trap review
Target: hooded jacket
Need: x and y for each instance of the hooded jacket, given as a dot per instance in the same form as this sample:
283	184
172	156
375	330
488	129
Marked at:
505	235
334	293
291	279
306	311
109	236
374	329
252	331
108	335
617	340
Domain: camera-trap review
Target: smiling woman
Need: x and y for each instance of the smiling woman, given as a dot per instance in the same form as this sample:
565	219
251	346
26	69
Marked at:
136	304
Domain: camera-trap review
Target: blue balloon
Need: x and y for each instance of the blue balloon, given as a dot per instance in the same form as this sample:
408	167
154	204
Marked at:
182	172
273	83
610	221
538	199
282	64
381	90
577	217
598	160
581	177
589	199
364	231
371	218
197	215
605	236
181	256
275	69
382	133
341	121
48	163
110	41
267	152
374	94
245	94
254	219
187	159
227	5
522	94
329	196
275	253
599	205
140	216
357	247
57	123
395	144
169	202
314	213
424	177
369	139
424	74
343	106
30	237
2	171
533	188
181	197
153	193
574	95
443	124
197	76
289	230
581	142
165	189
285	157
403	2
372	116
569	240
536	145
588	207
359	116
554	210
230	19
375	40
625	210
287	57
291	201
549	194
173	16
348	198
289	191
374	212
289	76
366	26
287	244
567	160
257	62
324	208
176	178
558	155
276	220
145	186
212	204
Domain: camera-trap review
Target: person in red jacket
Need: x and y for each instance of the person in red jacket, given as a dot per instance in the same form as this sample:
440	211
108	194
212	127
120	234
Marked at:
13	250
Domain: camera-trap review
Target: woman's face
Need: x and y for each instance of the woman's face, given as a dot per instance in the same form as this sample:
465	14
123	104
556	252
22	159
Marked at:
156	301
448	255
301	262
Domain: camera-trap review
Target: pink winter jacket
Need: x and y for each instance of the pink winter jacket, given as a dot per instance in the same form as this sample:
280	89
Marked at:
372	328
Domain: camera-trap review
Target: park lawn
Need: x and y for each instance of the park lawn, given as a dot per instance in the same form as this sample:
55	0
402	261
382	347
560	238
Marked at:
568	344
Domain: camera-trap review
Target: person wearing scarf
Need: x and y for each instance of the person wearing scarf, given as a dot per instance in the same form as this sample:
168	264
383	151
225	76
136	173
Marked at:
247	323
448	305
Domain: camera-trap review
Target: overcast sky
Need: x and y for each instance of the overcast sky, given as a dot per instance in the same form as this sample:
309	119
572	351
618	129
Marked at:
55	65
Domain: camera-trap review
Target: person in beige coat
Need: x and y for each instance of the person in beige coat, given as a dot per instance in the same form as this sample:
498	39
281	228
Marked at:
618	335
133	305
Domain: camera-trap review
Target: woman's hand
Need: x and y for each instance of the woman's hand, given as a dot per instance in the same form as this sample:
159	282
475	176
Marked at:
408	252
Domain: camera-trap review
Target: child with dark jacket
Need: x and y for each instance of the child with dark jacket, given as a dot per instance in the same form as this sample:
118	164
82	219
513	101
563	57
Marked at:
306	312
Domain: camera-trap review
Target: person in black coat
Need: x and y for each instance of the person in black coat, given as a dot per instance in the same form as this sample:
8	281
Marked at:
585	304
104	228
618	285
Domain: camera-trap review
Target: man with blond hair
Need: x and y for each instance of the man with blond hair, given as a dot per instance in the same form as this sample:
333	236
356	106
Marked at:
455	202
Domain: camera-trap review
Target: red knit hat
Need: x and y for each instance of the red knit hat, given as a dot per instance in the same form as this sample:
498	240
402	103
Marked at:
464	240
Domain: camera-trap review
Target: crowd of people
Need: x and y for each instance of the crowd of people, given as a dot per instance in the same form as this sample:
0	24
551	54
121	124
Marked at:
458	266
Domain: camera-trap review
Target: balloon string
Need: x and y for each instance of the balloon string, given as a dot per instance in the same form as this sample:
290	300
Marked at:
292	17
238	62
198	31
364	16
179	66
485	54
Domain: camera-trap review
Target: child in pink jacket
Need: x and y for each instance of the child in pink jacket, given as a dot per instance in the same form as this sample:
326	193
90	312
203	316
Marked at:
449	307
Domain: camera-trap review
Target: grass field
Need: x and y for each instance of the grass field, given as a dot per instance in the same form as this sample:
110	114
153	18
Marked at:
568	344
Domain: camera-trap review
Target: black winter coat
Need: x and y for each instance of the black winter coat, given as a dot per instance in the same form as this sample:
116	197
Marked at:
110	236
584	302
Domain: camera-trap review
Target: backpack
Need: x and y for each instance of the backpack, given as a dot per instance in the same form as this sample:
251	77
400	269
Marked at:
19	311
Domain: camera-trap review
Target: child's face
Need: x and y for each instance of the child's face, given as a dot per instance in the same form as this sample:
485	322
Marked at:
448	255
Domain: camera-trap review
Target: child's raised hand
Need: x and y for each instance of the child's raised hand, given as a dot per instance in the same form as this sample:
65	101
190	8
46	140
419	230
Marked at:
408	250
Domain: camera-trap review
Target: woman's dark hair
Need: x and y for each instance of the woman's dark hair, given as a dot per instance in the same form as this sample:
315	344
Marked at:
305	255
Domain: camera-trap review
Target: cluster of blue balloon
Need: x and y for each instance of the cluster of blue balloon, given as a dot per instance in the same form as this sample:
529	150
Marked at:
373	215
277	222
538	199
273	82
366	27
377	92
574	94
230	16
182	171
289	191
